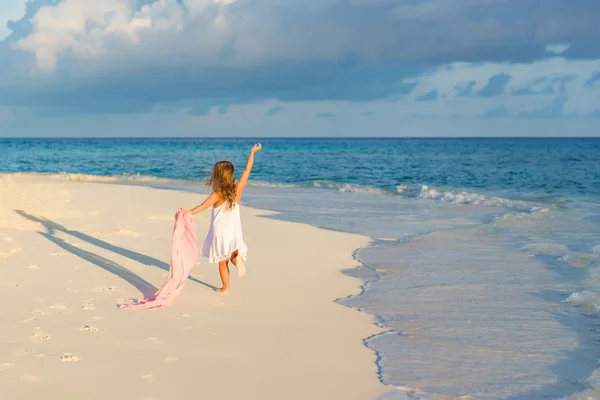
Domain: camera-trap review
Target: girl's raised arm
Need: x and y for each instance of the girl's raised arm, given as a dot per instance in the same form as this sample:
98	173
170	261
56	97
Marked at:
241	184
211	200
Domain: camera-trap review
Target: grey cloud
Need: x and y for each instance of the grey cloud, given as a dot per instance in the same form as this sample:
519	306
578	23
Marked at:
465	89
528	91
556	109
199	91
429	96
495	86
273	111
465	30
591	81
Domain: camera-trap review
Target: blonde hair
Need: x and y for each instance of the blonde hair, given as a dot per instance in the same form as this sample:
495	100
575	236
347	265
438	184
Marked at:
222	181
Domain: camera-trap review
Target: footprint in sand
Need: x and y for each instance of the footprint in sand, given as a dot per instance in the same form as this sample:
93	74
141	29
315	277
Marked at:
124	300
89	328
185	315
69	358
28	320
12	284
7	366
58	307
88	306
40	355
171	359
58	253
39	336
21	353
154	339
34	266
15	250
147	377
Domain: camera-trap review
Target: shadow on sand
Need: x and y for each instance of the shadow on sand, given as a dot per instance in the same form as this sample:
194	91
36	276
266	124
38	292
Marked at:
143	286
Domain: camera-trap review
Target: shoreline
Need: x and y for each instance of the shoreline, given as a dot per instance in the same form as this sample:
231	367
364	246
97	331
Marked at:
85	205
447	195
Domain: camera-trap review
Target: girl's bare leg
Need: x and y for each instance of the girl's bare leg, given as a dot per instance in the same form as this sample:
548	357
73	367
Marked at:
233	256
224	272
240	266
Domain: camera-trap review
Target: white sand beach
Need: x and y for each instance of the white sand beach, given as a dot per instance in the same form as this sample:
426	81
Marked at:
71	251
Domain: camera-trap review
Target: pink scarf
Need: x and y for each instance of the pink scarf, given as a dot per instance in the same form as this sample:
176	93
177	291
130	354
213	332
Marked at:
184	256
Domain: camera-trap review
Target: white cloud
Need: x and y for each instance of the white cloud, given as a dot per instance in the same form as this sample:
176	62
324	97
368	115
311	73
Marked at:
75	26
201	33
10	10
557	48
167	32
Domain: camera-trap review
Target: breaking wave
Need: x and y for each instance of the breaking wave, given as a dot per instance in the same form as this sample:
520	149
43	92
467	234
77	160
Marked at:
423	192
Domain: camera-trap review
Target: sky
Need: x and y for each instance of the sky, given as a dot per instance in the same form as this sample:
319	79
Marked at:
259	68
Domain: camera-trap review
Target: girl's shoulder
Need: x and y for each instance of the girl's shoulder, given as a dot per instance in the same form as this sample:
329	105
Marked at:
218	196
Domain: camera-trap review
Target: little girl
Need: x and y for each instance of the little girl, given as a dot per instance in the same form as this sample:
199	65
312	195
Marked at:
224	241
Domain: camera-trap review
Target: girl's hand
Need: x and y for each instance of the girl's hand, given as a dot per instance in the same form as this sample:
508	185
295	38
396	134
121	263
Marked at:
256	148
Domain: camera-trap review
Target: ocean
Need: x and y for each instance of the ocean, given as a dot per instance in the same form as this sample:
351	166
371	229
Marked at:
484	265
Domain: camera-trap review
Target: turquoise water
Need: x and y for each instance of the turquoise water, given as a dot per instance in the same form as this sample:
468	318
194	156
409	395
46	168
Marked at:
483	271
521	168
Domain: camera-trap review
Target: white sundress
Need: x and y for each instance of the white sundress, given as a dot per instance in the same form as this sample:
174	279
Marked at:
225	234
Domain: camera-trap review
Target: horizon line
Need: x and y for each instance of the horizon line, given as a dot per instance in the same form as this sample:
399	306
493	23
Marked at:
295	137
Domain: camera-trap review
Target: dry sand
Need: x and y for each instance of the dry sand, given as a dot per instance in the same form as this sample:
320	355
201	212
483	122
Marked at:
71	251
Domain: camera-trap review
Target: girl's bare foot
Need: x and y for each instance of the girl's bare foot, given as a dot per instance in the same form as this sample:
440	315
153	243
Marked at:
223	290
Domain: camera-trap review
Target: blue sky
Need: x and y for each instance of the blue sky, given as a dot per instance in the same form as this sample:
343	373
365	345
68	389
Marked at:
291	68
